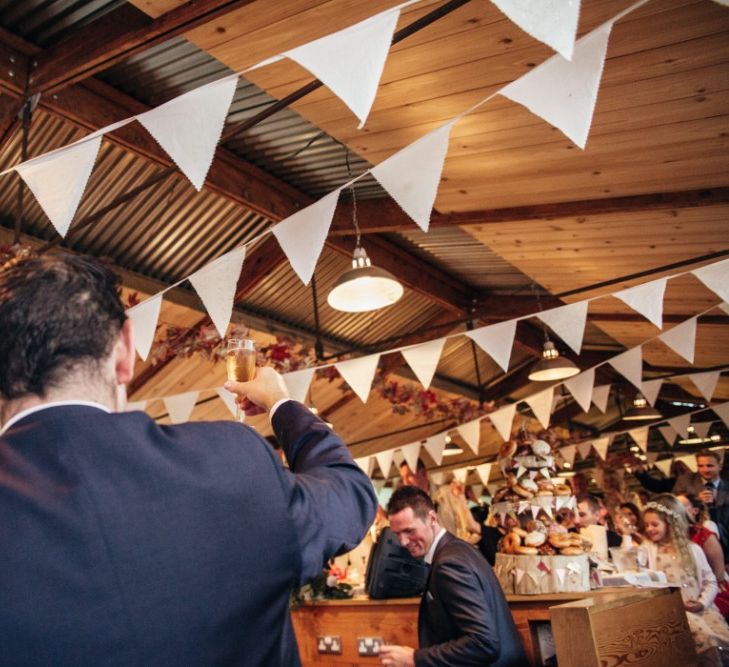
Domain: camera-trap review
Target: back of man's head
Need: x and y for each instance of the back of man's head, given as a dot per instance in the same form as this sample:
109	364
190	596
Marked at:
412	497
59	314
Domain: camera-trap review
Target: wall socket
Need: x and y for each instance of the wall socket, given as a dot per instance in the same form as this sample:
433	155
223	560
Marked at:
329	644
369	646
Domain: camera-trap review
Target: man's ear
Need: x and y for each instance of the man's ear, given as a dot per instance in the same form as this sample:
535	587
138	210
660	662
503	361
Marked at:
124	354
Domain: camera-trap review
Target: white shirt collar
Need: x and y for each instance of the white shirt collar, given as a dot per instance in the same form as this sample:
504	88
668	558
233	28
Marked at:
431	552
53	404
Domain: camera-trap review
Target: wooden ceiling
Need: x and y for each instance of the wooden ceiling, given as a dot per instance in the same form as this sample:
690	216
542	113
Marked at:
648	197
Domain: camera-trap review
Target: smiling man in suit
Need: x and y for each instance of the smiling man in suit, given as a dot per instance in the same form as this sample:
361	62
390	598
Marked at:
125	542
463	617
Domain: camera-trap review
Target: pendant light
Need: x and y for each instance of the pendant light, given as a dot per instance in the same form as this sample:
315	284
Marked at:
451	448
552	366
641	411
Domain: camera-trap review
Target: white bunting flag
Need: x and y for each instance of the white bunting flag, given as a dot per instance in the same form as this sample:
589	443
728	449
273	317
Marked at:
640	437
298	382
359	374
365	464
646	299
58	180
584	448
650	458
689	460
568	322
423	359
561	572
541	405
562	92
133	406
668	433
188	127
144	318
477	490
600	396
715	277
471	433
724	306
502	420
412	175
553	22
398	458
630	365
496	340
350	62
216	284
411	453
651	389
682	339
664	466
568	453
460	475
705	382
484	471
680	424
438	478
384	460
302	235
702	429
581	386
601	446
435	445
179	407
722	411
229	399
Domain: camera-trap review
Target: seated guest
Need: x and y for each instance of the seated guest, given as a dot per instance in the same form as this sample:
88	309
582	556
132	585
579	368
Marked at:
669	550
698	512
628	521
589	513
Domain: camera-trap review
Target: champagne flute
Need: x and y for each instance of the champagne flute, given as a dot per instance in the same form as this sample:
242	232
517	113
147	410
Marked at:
240	363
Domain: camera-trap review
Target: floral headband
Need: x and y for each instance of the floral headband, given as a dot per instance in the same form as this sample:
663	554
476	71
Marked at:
662	509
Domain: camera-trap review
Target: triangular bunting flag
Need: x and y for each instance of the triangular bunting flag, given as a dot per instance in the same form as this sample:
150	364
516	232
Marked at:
580	386
689	460
651	389
541	405
471	433
423	359
435	445
630	365
496	340
601	446
132	406
365	464
179	407
725	307
568	322
484	471
640	437
58	180
188	127
398	458
680	424
562	92
651	457
715	277
412	175
438	478
144	318
297	382
600	396
584	448
229	400
668	433
665	466
411	453
216	283
477	490
568	453
705	382
552	22
384	460
722	411
502	419
702	429
682	339
350	62
302	235
646	299
460	475
359	373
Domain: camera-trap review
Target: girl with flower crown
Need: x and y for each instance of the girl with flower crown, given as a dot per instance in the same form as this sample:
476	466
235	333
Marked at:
669	550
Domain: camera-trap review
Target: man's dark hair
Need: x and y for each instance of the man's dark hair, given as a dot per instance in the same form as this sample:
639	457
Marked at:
591	501
57	312
412	497
708	453
420	466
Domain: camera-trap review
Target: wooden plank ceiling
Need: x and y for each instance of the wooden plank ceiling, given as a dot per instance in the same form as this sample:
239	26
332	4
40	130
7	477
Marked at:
649	195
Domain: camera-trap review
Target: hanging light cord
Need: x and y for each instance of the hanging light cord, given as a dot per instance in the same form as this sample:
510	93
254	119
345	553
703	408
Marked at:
535	291
354	196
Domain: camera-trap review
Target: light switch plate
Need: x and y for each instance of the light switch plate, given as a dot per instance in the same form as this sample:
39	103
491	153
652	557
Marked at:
369	646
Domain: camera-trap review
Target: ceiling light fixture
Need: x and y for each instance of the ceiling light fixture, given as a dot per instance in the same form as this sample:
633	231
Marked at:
552	366
641	411
693	439
451	449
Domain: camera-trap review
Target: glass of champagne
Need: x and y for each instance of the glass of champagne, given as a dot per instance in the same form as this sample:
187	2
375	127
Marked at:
240	363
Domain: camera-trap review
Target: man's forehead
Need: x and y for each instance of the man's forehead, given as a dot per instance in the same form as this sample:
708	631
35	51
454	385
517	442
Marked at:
403	519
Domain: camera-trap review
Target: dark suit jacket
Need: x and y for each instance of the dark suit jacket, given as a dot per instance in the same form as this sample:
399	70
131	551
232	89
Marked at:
123	542
463	617
694	483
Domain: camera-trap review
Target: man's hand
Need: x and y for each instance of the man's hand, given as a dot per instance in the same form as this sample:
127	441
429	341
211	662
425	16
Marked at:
397	656
262	391
706	497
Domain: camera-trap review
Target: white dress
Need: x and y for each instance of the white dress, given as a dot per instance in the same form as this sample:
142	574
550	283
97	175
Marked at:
708	627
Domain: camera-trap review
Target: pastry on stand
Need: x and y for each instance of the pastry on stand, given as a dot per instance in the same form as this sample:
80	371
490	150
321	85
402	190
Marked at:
537	555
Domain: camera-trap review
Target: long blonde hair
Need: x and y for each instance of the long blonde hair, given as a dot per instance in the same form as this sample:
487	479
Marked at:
451	512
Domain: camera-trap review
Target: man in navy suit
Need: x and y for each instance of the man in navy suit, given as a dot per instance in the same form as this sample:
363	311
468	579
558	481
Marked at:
123	542
463	617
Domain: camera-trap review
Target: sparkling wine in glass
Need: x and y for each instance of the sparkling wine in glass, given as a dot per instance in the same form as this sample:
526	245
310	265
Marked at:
240	362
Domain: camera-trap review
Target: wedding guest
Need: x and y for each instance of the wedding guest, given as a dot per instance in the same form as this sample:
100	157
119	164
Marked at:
628	521
419	478
703	536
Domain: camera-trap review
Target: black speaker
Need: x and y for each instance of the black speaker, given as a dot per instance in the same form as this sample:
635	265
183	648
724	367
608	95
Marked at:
392	572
